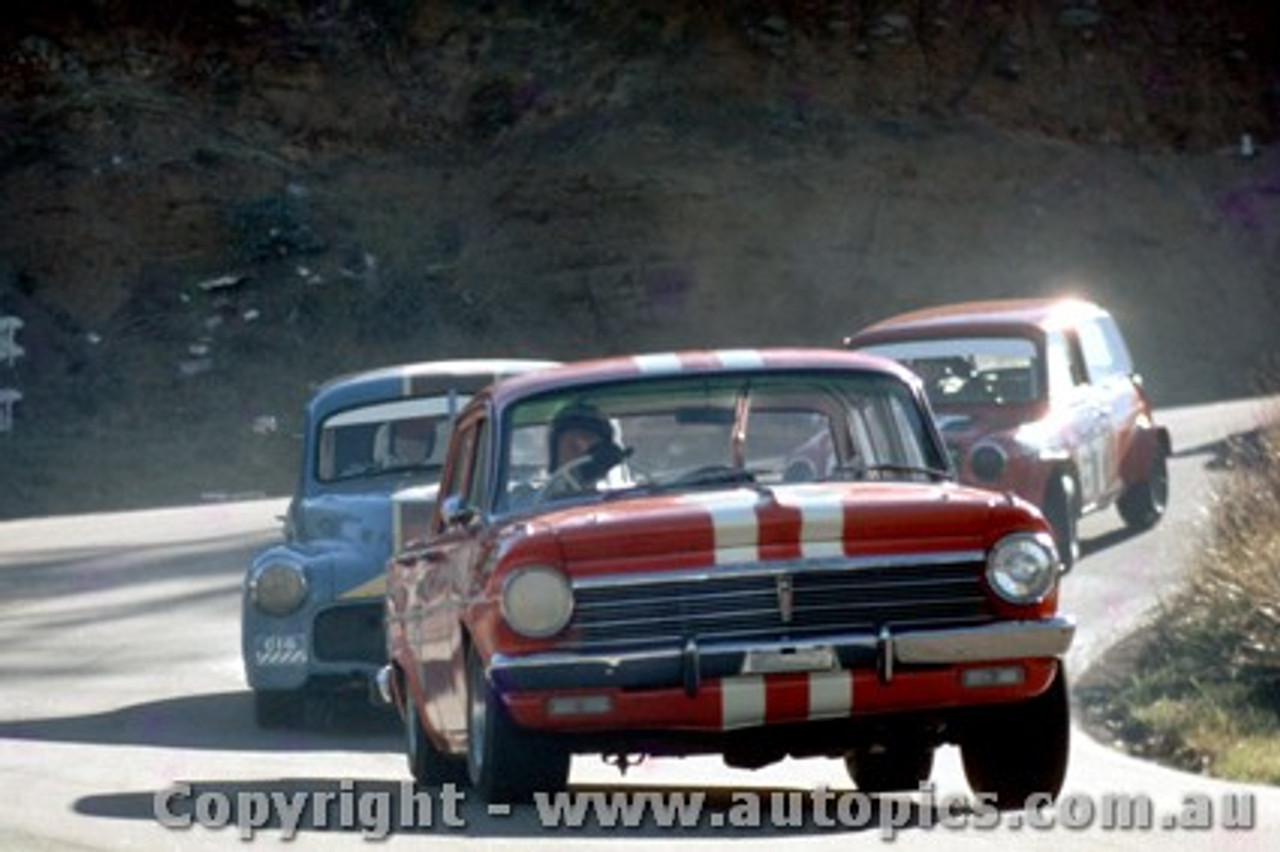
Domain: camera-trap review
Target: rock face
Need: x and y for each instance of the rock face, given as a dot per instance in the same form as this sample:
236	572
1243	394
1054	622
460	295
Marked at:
206	212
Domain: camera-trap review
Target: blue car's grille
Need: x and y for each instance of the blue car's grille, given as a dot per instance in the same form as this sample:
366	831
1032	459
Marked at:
350	633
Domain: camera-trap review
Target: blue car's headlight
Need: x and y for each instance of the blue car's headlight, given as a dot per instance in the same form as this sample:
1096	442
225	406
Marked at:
278	588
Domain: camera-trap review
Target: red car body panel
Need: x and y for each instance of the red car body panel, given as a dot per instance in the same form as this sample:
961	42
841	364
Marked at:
779	699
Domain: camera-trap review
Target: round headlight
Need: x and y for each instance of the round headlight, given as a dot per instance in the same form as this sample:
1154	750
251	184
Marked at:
278	588
987	462
537	602
1023	568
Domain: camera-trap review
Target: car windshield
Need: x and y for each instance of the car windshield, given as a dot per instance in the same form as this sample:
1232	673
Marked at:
703	432
405	435
970	370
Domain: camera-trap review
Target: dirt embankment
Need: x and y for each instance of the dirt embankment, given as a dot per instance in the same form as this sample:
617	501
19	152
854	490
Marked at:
206	212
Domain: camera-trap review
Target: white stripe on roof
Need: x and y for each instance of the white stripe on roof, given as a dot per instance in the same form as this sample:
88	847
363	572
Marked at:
661	363
740	359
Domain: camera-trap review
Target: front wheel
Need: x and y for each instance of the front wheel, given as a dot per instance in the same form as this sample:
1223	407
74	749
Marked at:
429	766
505	762
1143	504
1014	751
891	768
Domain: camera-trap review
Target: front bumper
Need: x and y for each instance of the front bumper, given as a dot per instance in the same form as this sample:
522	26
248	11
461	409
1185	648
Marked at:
690	665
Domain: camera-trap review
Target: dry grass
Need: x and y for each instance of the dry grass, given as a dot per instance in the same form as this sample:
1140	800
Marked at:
1202	690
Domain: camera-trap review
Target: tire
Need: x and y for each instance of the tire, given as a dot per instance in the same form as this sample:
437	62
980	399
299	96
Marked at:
1014	751
1143	504
890	768
429	766
278	708
504	762
1060	511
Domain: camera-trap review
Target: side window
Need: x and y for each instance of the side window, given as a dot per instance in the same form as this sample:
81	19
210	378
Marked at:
1065	363
478	475
458	476
1104	349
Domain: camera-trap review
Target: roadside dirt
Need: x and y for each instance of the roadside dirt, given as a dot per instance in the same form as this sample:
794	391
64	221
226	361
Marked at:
208	212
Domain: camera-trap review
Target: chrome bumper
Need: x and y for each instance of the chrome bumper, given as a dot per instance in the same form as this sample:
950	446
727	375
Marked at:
689	665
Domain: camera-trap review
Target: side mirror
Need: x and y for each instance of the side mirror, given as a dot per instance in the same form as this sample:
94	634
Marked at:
455	512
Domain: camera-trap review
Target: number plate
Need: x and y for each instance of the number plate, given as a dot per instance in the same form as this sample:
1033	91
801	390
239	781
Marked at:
286	649
814	658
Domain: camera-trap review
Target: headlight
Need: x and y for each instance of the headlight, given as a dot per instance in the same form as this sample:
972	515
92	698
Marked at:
278	588
1022	568
987	462
537	601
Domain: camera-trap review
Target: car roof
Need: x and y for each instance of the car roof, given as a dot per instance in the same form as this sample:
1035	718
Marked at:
424	378
980	317
690	362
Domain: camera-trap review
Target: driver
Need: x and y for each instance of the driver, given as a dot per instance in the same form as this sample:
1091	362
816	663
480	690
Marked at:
580	446
405	443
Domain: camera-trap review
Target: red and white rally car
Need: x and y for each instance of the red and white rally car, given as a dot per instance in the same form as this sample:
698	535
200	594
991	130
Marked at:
1038	397
618	564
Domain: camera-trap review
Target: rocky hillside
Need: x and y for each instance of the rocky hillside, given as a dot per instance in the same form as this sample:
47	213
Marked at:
208	208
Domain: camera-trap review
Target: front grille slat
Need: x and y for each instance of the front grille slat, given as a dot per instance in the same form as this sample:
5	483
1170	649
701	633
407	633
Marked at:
745	605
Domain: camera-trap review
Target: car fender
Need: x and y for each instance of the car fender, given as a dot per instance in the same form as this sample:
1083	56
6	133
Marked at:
1147	441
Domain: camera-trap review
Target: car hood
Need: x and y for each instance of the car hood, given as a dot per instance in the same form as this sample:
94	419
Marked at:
801	521
962	427
369	525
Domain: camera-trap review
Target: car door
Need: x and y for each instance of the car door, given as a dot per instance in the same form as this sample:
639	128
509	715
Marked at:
445	566
1111	375
1083	429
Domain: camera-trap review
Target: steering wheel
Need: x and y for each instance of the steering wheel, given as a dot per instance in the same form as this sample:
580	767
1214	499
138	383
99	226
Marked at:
564	480
579	475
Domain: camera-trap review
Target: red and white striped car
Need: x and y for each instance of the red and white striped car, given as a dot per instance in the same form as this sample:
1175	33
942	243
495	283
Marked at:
669	591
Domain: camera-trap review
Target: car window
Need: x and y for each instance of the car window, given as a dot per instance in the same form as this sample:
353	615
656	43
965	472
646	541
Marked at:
478	470
395	436
1064	363
457	477
971	370
677	433
1105	352
775	434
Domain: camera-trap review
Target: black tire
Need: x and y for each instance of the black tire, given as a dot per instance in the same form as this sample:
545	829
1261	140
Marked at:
1143	504
1011	752
429	766
890	768
1060	511
504	762
279	708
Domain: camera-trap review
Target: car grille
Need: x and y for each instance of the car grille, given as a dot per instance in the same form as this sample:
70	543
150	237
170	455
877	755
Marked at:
350	634
748	605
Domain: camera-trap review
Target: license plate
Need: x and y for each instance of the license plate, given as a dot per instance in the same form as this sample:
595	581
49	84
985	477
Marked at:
287	649
808	659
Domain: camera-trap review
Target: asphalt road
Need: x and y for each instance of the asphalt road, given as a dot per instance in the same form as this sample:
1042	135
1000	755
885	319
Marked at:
121	689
